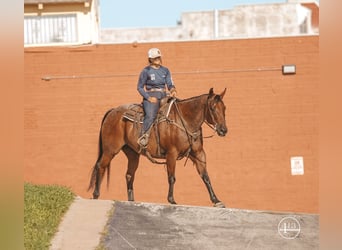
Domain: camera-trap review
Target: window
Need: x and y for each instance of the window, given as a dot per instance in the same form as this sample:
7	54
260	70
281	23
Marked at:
50	29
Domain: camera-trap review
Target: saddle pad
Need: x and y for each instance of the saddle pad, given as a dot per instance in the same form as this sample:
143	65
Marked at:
135	113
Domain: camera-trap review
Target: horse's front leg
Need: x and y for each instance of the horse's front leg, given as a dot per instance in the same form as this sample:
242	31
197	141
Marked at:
171	169
213	198
199	159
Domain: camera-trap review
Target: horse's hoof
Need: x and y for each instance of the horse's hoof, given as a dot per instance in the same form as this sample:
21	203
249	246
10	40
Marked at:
130	195
219	204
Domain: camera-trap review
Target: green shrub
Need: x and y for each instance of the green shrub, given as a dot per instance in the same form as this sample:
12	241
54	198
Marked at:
44	206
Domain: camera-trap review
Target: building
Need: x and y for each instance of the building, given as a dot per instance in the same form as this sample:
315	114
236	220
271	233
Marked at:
61	22
295	17
70	22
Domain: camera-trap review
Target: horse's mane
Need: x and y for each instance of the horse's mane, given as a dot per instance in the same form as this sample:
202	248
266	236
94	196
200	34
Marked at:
190	98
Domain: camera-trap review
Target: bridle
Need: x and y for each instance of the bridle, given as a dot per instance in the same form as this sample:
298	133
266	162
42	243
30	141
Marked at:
207	109
210	110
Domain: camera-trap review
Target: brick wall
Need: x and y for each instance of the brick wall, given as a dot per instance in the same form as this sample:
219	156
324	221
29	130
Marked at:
270	118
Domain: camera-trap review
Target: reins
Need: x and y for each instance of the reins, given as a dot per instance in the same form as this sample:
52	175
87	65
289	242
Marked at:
212	127
190	135
183	124
183	127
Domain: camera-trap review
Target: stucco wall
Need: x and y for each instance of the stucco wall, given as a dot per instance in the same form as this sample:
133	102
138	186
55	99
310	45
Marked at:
244	21
270	118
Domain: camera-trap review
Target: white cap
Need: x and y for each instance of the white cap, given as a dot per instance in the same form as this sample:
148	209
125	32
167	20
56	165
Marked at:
153	53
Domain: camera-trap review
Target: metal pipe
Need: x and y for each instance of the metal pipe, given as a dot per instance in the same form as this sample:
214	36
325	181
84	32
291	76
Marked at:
216	23
49	78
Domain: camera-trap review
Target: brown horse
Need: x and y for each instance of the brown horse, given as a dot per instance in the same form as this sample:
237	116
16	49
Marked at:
173	136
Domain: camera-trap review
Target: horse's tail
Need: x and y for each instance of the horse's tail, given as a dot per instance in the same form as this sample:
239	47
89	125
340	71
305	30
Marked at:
100	152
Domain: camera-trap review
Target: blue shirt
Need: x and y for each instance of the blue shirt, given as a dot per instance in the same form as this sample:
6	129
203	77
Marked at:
154	78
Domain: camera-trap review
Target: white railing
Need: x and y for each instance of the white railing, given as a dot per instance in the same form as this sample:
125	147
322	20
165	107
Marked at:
50	29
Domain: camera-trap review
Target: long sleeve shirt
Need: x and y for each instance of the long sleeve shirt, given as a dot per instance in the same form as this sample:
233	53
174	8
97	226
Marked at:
154	78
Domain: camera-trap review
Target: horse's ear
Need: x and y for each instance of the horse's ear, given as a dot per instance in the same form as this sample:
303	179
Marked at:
211	92
222	94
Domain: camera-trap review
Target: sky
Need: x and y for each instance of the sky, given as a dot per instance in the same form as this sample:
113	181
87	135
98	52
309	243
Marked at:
151	13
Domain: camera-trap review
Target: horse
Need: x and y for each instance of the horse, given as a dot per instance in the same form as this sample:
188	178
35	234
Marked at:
174	135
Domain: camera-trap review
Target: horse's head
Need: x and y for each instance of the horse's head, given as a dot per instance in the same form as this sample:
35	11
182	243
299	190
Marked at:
215	115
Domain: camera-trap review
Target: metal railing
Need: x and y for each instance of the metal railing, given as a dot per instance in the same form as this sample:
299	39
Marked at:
50	29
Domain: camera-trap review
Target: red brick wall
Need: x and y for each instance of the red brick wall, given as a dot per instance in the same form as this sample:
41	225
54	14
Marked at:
270	117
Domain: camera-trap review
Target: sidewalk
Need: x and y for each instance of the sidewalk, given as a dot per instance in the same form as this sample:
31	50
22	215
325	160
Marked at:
82	225
139	225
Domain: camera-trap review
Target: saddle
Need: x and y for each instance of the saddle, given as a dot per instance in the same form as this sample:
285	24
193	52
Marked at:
135	112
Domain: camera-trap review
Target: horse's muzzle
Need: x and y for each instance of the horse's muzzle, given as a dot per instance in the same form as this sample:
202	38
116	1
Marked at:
222	130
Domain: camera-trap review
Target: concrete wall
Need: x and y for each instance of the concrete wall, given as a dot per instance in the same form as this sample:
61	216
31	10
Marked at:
271	117
245	21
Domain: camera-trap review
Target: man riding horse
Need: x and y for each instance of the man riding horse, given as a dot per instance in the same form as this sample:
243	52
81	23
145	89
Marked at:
152	84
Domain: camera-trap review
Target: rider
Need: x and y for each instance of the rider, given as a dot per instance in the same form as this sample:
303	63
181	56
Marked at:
152	84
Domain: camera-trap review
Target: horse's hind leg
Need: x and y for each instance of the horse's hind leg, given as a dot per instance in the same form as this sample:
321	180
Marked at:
101	166
133	163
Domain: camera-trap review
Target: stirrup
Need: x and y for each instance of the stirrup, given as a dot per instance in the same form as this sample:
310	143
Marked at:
143	140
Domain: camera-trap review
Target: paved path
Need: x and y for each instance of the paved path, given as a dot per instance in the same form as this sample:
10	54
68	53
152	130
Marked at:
152	226
82	225
133	225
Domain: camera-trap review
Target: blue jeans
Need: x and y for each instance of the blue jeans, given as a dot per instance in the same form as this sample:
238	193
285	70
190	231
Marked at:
151	110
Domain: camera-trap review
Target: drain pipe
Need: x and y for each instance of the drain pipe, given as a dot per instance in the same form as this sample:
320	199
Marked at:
216	23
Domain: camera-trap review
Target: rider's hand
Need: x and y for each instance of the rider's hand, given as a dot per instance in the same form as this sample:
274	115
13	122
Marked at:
173	92
152	99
